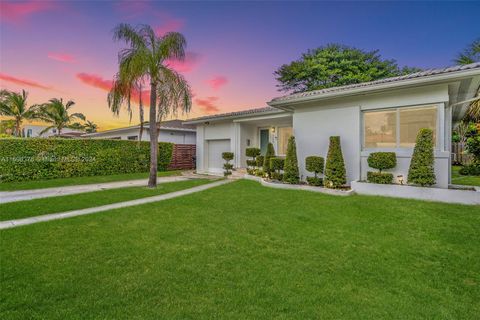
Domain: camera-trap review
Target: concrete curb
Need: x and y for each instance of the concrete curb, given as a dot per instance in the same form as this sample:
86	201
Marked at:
299	187
62	215
12	196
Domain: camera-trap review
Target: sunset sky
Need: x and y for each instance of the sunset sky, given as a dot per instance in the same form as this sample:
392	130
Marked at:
65	49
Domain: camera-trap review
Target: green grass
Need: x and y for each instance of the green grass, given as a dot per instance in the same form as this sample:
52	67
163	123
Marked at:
243	251
457	178
38	184
30	208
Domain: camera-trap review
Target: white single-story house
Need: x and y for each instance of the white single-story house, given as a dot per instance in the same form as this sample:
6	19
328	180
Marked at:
33	131
174	131
382	115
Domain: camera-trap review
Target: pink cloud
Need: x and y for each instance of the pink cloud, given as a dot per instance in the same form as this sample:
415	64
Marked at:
208	104
170	24
191	61
99	82
62	57
217	82
24	82
18	11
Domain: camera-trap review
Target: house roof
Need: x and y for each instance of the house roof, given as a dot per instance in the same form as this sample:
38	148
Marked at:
175	125
235	114
422	76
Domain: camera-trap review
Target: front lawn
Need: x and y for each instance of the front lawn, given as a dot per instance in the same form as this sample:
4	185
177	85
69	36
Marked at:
243	251
63	182
36	207
457	178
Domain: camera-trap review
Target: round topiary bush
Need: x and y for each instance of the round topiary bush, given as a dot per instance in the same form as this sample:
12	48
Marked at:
227	156
260	160
421	169
252	152
276	164
314	164
382	160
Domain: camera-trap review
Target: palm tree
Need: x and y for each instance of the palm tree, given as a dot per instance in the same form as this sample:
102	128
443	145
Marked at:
145	60
14	105
471	54
57	114
90	127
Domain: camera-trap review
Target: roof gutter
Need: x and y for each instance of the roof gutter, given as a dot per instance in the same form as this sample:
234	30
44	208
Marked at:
434	79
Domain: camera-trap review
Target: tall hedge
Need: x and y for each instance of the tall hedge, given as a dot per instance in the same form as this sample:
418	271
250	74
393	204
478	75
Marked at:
335	173
266	160
421	169
40	158
290	168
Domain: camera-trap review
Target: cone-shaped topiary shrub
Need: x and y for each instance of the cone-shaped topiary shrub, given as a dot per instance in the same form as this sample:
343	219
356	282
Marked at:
290	169
335	173
421	166
314	164
276	165
381	161
227	156
266	161
259	170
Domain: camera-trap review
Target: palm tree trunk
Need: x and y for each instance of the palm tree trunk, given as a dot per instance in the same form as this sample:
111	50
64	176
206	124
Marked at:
152	180
141	118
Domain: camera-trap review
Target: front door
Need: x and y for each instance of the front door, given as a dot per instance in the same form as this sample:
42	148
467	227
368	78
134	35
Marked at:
264	140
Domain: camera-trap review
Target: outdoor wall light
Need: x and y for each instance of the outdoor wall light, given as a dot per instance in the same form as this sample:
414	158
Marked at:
273	129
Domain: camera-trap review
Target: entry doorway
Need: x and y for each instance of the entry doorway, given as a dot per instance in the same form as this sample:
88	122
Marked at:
264	140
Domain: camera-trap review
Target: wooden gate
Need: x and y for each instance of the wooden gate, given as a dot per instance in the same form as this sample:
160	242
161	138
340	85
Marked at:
183	157
459	156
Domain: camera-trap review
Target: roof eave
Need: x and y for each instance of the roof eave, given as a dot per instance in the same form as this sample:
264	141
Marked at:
213	118
433	79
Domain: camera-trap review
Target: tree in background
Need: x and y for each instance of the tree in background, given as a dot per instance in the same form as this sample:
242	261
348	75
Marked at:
56	113
90	127
335	65
471	54
13	104
145	61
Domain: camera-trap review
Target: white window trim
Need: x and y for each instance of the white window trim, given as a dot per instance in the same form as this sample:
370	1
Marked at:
438	132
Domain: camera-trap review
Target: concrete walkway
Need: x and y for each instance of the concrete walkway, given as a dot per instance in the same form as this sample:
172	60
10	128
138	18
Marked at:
11	196
55	216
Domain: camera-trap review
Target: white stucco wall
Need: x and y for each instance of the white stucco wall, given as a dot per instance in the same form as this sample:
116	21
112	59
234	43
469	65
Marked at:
315	123
173	136
213	131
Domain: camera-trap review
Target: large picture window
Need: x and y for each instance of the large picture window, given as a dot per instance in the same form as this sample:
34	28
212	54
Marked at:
284	133
397	127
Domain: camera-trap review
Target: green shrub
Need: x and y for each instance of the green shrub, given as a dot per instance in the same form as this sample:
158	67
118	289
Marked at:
260	160
40	158
253	153
276	165
470	170
227	156
380	177
335	173
266	161
382	160
314	164
315	181
421	169
473	147
290	170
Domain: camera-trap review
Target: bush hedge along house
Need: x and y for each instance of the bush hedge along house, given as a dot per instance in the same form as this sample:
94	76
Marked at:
380	116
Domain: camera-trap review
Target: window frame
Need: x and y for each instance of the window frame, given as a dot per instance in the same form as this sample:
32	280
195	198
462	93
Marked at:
397	124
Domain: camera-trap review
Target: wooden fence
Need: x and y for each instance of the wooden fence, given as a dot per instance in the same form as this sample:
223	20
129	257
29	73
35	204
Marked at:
183	157
459	155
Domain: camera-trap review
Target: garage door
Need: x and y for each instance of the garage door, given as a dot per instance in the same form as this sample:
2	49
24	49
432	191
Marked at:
215	149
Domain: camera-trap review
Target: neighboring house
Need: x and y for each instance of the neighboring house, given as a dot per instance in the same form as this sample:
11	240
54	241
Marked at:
33	131
383	115
170	131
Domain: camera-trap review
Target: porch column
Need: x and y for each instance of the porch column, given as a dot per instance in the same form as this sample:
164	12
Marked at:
236	144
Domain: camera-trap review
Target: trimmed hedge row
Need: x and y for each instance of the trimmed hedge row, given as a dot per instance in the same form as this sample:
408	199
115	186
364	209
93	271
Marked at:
40	158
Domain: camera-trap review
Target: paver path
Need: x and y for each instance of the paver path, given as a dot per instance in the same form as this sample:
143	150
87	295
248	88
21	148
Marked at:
62	215
11	196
